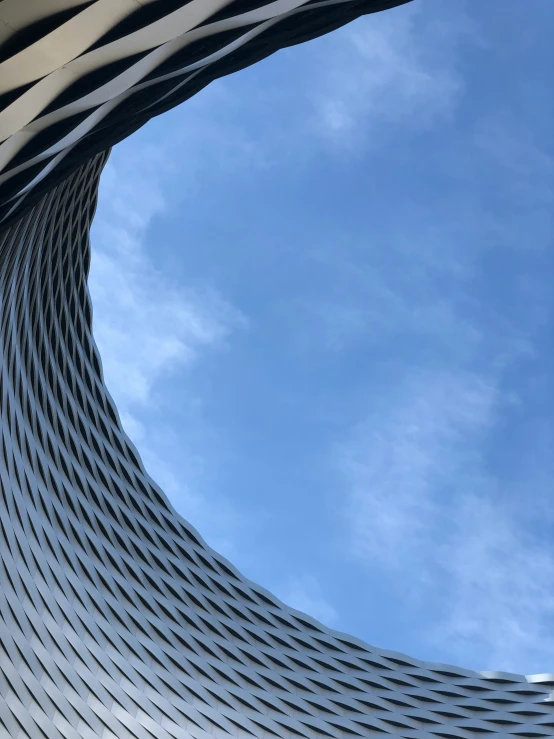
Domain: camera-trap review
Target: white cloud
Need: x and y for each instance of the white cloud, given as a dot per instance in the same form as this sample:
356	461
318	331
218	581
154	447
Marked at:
150	329
500	574
145	324
404	457
422	503
390	68
420	499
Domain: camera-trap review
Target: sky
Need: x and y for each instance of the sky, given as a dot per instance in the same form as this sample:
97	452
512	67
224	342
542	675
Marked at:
322	294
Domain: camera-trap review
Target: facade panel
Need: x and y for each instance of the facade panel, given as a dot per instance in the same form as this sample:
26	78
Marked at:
116	619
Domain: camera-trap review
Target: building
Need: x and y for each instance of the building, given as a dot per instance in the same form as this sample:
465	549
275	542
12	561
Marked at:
116	620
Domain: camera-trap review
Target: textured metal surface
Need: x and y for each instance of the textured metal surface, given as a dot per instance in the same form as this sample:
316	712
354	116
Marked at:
76	79
116	620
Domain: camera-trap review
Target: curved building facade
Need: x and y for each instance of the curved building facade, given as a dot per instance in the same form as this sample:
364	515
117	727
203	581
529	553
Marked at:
116	620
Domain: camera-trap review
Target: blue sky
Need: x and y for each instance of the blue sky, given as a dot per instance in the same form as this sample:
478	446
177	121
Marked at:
323	297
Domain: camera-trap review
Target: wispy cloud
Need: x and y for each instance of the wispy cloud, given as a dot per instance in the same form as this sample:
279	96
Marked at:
423	504
498	573
144	323
425	501
406	456
421	499
150	329
390	69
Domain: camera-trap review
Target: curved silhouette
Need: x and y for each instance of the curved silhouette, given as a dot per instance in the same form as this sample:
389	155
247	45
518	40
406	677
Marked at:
116	619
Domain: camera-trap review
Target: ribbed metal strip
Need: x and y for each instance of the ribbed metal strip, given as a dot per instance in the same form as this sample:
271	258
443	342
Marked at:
101	69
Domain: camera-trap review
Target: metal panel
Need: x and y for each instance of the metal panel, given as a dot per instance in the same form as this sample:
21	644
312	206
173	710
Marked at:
116	619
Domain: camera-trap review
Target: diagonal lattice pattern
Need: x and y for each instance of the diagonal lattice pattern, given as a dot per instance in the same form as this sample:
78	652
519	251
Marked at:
77	76
116	620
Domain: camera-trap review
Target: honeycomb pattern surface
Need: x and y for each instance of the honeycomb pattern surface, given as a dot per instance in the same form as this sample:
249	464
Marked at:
117	621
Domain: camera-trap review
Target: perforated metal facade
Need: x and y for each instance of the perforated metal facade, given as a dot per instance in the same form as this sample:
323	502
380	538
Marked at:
116	620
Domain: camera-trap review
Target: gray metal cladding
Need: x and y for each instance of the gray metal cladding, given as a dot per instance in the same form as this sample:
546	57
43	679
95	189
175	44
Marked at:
77	76
117	621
